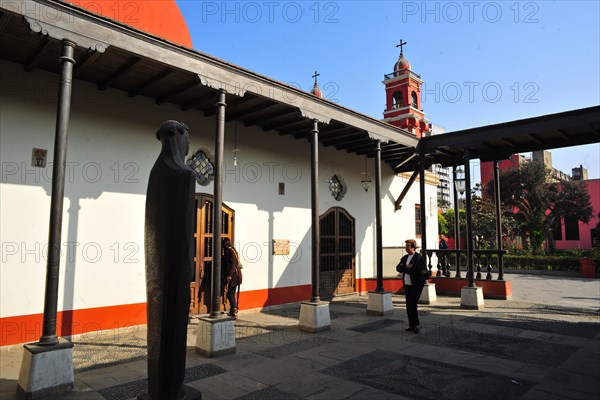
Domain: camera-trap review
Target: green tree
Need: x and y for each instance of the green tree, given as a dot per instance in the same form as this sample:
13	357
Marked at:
483	219
448	217
537	205
442	224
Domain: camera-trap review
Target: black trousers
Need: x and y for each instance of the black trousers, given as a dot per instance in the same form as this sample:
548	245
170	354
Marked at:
413	292
231	289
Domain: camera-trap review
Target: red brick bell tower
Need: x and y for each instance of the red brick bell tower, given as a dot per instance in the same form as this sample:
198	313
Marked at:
403	98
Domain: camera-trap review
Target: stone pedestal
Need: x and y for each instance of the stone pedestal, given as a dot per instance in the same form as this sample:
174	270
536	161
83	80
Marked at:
216	336
314	316
471	298
428	295
46	370
380	303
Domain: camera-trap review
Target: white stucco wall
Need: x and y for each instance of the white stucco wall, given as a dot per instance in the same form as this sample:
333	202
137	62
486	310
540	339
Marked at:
111	149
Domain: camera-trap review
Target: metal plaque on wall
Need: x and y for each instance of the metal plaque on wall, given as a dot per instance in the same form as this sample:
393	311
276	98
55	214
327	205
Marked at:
281	247
38	157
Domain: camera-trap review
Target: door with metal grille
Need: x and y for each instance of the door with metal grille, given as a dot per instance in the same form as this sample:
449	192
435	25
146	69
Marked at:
200	287
337	269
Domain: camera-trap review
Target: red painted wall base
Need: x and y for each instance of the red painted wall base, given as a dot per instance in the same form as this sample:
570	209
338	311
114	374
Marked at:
444	286
491	289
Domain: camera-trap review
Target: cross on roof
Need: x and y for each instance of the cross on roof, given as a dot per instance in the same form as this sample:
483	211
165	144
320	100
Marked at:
402	43
315	76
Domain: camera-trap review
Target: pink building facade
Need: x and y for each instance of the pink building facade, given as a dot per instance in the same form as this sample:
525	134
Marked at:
572	238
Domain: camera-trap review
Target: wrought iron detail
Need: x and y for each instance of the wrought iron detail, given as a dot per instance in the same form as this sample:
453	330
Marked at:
201	165
337	188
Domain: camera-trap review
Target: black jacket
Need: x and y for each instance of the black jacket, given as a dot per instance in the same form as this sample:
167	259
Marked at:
418	273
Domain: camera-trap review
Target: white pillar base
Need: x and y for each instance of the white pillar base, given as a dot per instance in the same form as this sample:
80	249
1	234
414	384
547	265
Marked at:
46	370
380	303
216	336
314	316
428	295
471	298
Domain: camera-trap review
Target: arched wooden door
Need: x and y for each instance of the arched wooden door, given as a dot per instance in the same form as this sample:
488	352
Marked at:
200	287
337	270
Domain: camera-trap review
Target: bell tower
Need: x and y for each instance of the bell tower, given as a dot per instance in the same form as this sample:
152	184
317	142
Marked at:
403	98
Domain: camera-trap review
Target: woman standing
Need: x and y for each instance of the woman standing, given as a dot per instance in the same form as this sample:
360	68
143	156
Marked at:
414	276
232	275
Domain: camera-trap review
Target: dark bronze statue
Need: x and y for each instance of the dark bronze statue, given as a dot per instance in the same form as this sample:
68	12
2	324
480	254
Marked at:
169	263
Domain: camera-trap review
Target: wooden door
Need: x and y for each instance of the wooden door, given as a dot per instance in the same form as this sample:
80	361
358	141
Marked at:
200	287
337	266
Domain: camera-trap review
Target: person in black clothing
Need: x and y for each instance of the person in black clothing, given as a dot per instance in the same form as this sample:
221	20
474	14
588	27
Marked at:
443	256
414	275
232	275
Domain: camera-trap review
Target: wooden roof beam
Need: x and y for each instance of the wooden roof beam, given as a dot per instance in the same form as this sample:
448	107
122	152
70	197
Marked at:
278	123
396	148
293	125
333	129
563	134
198	100
250	110
90	57
360	149
509	142
349	135
178	91
231	103
297	131
152	81
304	133
271	115
119	72
534	138
38	54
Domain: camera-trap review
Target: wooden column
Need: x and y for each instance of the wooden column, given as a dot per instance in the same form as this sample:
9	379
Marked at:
58	192
422	200
378	224
314	203
498	220
456	224
218	205
469	229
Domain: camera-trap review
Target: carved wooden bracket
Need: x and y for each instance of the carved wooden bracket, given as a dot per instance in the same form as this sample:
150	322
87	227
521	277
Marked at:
228	87
313	115
58	33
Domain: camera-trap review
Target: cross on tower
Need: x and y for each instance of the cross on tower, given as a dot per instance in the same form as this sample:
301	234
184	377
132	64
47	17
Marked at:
402	43
315	76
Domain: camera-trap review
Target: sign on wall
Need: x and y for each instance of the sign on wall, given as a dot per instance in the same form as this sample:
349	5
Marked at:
281	247
38	157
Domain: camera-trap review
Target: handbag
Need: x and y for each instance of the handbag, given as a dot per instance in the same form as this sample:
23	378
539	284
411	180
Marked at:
239	263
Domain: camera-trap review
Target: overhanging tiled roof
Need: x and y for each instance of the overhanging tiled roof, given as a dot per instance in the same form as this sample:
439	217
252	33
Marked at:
112	55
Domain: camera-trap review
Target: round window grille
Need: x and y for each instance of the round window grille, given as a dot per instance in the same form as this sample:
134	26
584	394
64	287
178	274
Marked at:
202	166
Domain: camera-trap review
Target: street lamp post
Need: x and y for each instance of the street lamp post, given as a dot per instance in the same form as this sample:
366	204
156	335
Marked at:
459	187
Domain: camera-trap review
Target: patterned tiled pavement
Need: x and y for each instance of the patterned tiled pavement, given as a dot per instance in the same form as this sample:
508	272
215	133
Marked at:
517	349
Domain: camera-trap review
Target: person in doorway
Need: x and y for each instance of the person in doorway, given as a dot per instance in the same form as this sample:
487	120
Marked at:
232	275
443	256
414	275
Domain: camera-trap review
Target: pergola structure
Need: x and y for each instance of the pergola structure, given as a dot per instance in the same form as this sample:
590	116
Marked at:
498	142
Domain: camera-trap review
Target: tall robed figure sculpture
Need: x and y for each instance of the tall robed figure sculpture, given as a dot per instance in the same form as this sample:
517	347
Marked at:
169	250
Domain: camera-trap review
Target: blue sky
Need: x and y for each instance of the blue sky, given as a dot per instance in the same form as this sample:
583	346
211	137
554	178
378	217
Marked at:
482	62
